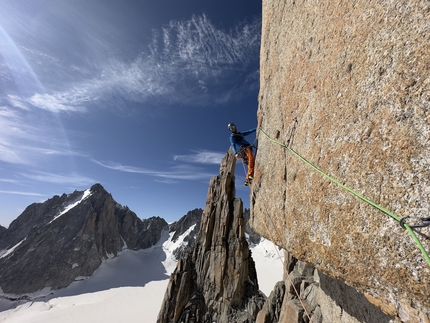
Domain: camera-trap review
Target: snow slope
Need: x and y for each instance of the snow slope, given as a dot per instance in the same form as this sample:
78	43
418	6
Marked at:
5	253
129	288
86	194
270	269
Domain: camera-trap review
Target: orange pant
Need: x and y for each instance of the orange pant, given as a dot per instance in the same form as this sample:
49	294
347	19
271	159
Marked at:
251	161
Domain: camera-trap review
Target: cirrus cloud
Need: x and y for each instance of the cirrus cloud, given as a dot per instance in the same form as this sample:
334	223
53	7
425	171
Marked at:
189	62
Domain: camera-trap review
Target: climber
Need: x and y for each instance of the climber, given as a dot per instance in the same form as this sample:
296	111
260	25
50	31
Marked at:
238	139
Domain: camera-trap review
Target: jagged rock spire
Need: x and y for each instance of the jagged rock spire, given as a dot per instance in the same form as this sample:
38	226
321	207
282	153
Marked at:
216	279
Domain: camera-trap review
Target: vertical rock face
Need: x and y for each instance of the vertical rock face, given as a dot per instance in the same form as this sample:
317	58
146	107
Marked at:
356	77
215	281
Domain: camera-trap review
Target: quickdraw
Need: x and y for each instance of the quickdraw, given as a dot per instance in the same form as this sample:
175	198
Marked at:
424	223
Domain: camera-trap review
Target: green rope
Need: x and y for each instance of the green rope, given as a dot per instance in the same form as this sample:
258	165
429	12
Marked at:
391	214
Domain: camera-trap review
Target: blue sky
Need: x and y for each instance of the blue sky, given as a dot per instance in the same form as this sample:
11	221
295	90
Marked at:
135	95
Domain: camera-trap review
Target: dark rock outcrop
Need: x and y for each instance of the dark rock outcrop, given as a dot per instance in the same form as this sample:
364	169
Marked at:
35	215
252	236
306	293
185	223
52	243
2	230
192	218
215	281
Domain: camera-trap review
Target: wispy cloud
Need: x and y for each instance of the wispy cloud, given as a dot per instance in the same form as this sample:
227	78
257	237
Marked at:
16	102
179	172
201	157
21	193
167	181
64	179
199	46
11	133
123	168
185	59
12	181
22	139
60	102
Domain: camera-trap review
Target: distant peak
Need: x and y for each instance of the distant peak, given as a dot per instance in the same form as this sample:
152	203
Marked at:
97	188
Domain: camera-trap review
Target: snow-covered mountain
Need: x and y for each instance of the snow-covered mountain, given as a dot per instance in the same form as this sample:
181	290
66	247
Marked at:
123	288
131	279
128	288
52	244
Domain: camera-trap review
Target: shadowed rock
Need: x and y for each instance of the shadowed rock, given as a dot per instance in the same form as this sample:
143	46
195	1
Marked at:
50	251
215	281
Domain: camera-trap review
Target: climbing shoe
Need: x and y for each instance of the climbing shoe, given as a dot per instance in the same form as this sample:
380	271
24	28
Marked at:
248	183
251	177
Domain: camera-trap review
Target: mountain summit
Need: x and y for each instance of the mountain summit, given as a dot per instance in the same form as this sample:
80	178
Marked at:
67	237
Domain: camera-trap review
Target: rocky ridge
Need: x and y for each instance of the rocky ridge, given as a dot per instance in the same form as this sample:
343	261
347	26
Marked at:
215	280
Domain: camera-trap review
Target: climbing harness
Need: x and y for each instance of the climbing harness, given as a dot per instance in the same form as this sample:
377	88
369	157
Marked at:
242	154
387	212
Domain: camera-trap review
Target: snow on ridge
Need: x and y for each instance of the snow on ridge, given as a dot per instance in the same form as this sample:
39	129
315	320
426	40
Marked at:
9	251
169	247
29	296
124	244
267	256
86	194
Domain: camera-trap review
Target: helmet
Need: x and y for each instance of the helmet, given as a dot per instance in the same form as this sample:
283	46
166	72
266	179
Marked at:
231	126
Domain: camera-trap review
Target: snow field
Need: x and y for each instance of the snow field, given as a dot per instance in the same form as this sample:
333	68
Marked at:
129	288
